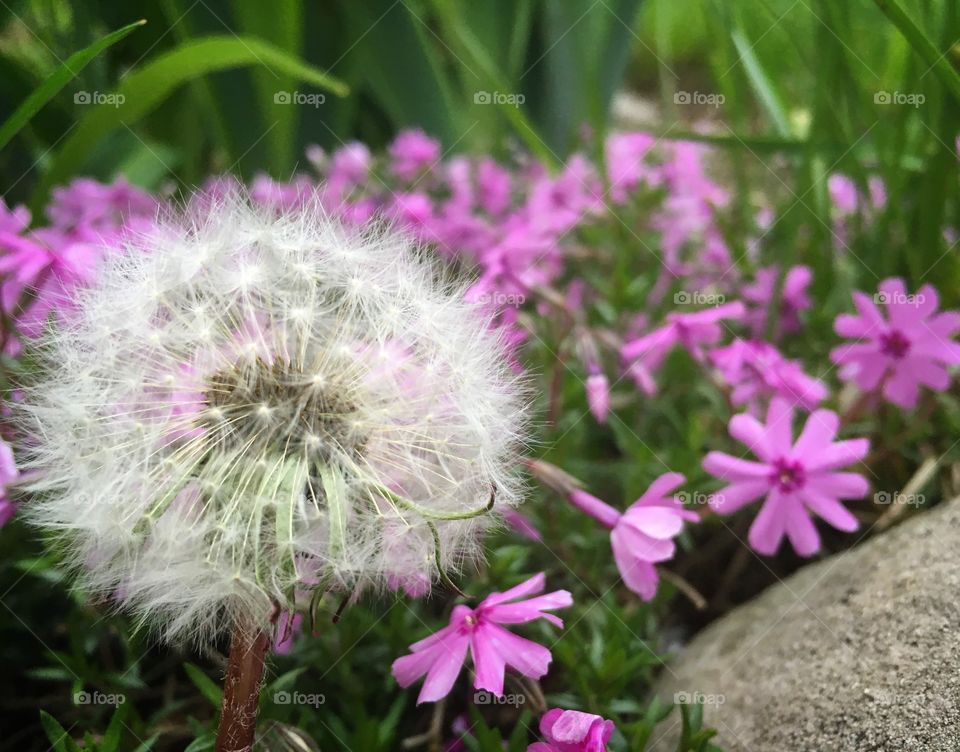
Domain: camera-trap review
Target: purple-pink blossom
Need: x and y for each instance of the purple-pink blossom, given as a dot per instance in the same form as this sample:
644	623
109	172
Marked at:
694	331
8	474
441	656
412	152
897	353
756	370
795	479
642	536
794	299
573	731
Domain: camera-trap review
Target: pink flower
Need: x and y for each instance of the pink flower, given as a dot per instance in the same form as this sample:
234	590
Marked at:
573	731
793	299
643	535
796	478
644	355
898	352
441	655
598	395
413	151
521	524
757	370
8	474
625	155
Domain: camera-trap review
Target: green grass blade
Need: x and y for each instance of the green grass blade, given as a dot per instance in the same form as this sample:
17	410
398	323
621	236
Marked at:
938	62
762	84
144	89
57	80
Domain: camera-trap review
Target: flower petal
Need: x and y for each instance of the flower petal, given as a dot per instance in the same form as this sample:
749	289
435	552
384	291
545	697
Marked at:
769	527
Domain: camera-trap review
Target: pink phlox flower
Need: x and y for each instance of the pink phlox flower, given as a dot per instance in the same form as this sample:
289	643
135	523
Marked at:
480	630
412	152
756	370
626	156
521	524
796	479
556	205
908	345
794	299
573	731
598	394
643	535
694	331
8	474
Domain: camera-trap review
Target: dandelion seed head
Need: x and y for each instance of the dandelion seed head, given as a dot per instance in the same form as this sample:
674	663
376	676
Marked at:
249	405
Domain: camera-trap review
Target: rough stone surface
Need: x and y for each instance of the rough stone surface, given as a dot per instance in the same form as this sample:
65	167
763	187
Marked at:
858	652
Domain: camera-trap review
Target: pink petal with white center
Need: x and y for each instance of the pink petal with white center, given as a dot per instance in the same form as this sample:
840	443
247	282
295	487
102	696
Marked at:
640	545
750	431
657	522
801	531
638	575
836	455
829	509
769	527
780	425
737	495
840	485
529	610
527	657
820	429
534	585
661	487
728	467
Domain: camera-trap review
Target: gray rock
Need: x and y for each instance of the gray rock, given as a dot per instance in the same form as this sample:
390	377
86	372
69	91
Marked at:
858	652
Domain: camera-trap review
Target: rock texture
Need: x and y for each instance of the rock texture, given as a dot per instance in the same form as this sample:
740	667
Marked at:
858	652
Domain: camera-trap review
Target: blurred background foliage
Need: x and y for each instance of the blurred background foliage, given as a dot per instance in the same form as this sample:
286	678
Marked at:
800	82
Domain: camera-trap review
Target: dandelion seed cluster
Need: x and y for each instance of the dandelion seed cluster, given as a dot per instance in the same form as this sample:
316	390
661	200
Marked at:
251	405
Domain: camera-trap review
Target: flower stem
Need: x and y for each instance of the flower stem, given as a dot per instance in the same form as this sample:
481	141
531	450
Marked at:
241	689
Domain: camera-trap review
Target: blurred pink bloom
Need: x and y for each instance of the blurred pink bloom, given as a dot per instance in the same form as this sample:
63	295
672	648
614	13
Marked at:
796	479
287	629
8	474
793	299
441	655
843	193
644	355
627	166
411	152
598	395
757	370
898	352
557	204
521	524
573	731
642	535
493	187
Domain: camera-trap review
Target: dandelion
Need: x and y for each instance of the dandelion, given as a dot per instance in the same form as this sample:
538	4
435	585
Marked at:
254	402
479	630
573	731
795	478
897	353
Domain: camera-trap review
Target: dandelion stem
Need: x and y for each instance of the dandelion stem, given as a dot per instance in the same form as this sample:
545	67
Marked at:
241	689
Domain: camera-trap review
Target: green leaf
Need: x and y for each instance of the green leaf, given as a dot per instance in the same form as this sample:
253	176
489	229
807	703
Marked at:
762	84
143	90
205	684
56	734
940	63
111	737
148	744
57	80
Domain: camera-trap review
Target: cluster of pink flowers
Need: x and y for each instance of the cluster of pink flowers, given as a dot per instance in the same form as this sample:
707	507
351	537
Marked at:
520	227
